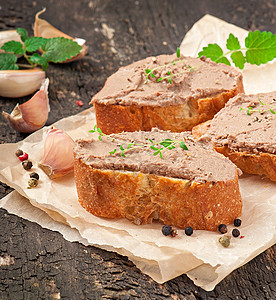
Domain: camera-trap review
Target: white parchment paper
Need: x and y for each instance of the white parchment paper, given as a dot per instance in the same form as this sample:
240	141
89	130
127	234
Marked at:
54	205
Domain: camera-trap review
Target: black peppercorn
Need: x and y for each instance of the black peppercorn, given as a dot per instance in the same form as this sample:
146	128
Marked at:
222	228
19	152
34	175
167	230
189	230
235	232
237	222
27	165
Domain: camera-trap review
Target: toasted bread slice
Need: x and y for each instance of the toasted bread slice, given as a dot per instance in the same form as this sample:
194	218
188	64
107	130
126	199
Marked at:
245	131
196	90
195	187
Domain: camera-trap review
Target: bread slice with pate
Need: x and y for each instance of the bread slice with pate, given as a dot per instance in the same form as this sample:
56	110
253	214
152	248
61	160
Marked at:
166	92
156	175
245	131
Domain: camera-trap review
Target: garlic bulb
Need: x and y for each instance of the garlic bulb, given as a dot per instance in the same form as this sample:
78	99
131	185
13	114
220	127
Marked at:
44	29
8	35
33	114
58	159
20	83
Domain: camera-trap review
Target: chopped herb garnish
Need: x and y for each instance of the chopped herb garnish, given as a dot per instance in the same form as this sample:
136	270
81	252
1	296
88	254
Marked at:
157	147
150	72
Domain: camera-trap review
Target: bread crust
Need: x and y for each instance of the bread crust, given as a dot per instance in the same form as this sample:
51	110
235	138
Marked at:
141	198
116	118
261	163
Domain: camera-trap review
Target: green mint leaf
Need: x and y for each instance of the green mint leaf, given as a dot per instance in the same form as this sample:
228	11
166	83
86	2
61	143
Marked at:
183	146
33	43
13	46
99	130
122	154
161	154
261	47
122	148
178	52
240	109
215	53
148	71
59	49
100	138
233	43
170	80
152	75
8	61
154	148
151	140
39	60
238	59
160	79
129	145
272	111
23	34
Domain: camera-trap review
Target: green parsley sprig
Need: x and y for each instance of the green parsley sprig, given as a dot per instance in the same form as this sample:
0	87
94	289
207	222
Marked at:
55	50
260	48
264	107
151	72
158	147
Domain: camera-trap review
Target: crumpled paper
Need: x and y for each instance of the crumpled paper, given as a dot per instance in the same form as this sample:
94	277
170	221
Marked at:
53	203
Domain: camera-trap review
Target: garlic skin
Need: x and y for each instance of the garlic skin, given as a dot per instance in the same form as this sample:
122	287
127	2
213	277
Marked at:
8	35
44	29
20	83
33	114
58	159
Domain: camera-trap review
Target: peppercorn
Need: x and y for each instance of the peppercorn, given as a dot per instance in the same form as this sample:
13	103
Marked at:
27	164
32	182
235	232
166	230
23	157
237	222
224	241
222	228
34	175
189	230
19	152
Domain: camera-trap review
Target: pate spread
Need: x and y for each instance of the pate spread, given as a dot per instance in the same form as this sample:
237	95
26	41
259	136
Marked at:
247	123
197	78
196	164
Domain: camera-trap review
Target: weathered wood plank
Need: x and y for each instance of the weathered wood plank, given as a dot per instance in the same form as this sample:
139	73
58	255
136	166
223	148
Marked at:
40	264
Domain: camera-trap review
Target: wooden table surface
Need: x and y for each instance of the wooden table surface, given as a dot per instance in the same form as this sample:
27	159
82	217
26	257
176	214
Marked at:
43	264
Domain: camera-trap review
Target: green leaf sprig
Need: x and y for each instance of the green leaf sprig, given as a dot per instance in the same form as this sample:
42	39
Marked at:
260	48
157	147
151	72
263	108
55	50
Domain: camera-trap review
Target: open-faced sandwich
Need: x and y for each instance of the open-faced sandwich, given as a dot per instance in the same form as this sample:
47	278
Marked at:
168	92
245	131
159	175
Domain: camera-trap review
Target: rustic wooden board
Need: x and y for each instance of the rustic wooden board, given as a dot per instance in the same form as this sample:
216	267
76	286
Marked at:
41	264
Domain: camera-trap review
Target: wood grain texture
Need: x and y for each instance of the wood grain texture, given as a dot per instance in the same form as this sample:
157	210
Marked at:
41	264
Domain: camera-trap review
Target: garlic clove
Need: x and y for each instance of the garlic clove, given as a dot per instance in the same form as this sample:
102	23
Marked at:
58	157
44	29
8	35
33	114
20	83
